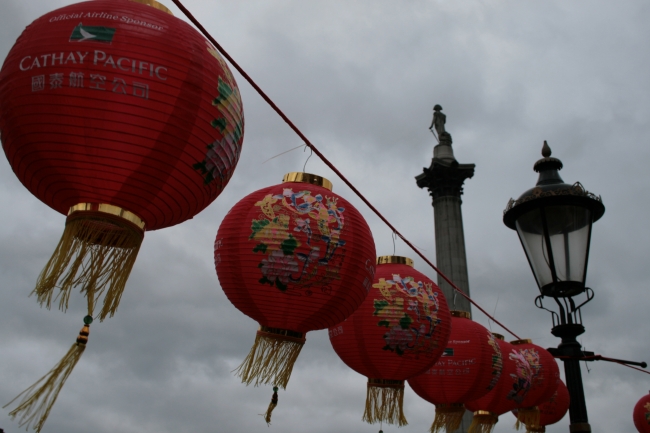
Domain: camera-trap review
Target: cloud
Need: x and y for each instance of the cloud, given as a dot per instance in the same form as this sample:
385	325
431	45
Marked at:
360	79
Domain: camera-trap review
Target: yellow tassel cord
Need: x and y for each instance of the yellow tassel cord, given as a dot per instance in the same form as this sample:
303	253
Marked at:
483	422
448	417
529	416
272	357
536	429
272	405
385	402
96	252
38	399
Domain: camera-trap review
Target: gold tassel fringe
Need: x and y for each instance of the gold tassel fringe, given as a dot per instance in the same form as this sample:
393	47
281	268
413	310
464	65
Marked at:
483	422
271	358
448	416
385	402
529	416
38	399
96	252
272	405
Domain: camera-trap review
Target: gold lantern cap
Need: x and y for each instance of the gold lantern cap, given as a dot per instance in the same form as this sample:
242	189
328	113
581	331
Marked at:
484	412
108	209
154	4
498	336
300	177
461	314
522	341
399	260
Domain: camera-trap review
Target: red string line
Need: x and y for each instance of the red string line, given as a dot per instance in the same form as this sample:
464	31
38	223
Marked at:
327	162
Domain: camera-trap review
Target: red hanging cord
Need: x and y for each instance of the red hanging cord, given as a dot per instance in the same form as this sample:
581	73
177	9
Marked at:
326	161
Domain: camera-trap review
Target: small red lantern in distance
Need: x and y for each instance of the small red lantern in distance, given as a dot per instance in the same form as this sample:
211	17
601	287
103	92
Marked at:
642	414
500	399
538	378
469	368
552	410
124	118
295	257
399	331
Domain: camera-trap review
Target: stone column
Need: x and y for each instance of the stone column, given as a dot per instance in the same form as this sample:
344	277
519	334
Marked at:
444	179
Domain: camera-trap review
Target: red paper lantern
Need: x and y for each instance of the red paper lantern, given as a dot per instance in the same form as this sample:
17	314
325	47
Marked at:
399	331
469	368
295	257
641	414
500	399
538	377
552	410
124	118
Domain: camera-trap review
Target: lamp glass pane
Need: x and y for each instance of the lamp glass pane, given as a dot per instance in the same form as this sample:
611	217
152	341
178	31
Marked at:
531	233
569	228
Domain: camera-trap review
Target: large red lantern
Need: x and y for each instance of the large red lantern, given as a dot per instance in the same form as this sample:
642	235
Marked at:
125	119
499	400
399	331
469	368
295	257
641	414
552	410
538	377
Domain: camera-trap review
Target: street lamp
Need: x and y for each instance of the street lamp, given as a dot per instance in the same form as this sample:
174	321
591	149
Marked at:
553	221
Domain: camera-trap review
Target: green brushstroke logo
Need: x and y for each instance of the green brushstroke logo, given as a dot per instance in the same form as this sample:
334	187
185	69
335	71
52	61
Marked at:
83	33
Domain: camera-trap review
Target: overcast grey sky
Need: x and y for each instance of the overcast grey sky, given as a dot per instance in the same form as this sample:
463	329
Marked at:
360	78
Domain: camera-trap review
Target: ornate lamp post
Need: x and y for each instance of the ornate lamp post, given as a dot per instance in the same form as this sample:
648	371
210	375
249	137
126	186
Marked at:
553	221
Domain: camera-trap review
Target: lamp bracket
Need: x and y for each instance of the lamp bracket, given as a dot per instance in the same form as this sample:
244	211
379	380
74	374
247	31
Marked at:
568	313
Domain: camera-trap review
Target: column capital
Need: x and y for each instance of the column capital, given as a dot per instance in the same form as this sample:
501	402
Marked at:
445	178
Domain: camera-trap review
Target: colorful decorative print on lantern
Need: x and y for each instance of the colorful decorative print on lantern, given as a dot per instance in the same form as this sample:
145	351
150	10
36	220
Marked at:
292	219
497	361
527	368
222	155
405	302
647	412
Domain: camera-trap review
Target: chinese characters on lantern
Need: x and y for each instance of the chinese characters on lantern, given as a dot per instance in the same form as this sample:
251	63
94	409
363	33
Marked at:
95	81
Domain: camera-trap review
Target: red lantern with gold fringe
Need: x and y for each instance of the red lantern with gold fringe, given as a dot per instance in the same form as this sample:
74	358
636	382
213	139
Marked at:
539	376
552	410
399	331
295	257
641	414
469	368
125	119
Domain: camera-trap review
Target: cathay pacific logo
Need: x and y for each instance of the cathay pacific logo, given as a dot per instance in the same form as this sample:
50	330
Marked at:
83	33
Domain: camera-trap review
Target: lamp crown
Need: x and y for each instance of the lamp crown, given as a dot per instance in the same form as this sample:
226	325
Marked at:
548	163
